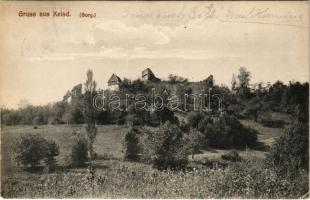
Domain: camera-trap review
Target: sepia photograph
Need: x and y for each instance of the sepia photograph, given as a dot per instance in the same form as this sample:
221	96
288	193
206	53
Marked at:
154	99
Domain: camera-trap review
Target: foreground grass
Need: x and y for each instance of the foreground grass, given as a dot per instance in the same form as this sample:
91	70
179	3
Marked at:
135	180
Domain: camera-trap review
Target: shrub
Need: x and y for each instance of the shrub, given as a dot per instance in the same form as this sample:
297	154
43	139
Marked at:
235	108
51	151
31	149
184	126
301	112
154	120
231	156
265	119
203	123
131	144
226	131
120	118
91	132
165	147
290	152
79	152
253	108
194	118
137	117
249	136
240	136
165	115
134	120
194	141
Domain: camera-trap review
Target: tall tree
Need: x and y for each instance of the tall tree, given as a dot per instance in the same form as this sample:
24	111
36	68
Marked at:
233	82
90	112
244	77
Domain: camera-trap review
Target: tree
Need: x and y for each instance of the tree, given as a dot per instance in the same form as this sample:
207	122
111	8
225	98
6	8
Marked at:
194	118
90	83
253	108
244	77
166	147
290	152
91	133
209	82
225	131
276	92
233	82
90	112
181	91
131	144
195	141
52	150
31	149
58	110
40	118
166	115
76	111
11	117
173	79
79	152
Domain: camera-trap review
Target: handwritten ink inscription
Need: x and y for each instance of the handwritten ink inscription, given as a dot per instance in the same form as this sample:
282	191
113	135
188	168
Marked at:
222	13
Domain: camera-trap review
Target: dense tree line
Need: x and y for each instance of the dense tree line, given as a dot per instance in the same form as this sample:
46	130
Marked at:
242	100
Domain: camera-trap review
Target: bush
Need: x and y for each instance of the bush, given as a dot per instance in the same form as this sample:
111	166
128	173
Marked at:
194	118
79	152
226	131
137	117
194	141
301	113
253	108
265	119
31	149
131	144
249	137
120	118
165	147
231	156
134	120
203	123
154	120
51	151
184	126
165	115
290	152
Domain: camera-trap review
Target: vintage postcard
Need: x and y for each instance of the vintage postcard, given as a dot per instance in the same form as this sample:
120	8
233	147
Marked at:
154	99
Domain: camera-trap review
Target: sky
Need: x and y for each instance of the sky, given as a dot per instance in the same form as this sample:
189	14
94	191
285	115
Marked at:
44	57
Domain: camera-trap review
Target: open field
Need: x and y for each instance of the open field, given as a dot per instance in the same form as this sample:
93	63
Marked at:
115	178
108	141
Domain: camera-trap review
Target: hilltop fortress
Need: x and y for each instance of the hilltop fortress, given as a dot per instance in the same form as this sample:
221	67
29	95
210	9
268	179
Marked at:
113	84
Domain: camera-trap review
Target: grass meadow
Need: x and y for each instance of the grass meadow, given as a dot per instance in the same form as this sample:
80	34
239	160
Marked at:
115	178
